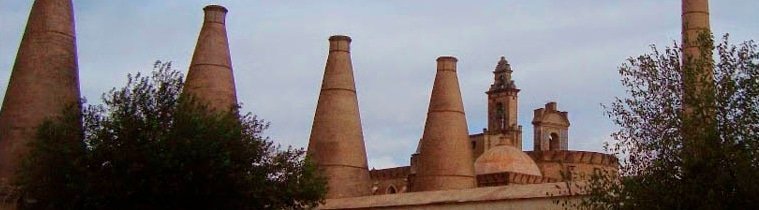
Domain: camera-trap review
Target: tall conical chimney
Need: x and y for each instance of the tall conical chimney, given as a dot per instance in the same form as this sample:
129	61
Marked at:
698	87
44	80
210	79
337	141
445	157
695	20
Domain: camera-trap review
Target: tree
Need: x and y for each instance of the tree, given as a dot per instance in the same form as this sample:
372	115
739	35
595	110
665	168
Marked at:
146	147
667	163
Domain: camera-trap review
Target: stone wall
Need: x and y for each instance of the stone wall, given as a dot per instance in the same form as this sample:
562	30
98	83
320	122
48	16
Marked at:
534	196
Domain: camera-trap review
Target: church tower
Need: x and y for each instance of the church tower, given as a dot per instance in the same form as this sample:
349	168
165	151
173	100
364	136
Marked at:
502	106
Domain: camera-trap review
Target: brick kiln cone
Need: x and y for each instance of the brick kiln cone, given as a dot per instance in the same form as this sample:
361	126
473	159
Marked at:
210	78
336	144
445	157
44	80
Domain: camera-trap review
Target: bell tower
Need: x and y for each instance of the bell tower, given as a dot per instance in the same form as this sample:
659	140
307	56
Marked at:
502	106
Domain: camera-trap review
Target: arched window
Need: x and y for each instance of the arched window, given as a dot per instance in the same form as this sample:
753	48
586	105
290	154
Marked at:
391	190
553	142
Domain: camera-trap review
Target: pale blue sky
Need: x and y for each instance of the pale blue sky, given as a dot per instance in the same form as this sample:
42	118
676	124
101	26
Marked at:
564	51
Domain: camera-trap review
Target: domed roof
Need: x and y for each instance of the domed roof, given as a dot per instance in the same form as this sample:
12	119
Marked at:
504	158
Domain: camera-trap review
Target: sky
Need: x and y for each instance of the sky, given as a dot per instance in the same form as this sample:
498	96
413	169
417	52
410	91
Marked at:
563	51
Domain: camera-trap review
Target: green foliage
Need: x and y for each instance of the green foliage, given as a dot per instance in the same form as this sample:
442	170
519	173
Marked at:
64	151
146	147
705	157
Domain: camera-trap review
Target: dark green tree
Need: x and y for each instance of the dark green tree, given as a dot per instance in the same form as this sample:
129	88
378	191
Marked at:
146	147
707	159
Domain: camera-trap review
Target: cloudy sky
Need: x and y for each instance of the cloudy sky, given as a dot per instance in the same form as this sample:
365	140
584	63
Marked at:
564	51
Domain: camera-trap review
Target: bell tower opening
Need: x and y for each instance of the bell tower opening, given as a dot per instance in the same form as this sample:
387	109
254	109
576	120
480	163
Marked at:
553	141
500	116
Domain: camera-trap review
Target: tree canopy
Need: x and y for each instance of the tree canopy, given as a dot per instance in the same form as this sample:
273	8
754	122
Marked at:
145	147
667	163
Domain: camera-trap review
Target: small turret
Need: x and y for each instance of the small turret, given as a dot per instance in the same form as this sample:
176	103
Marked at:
502	75
551	128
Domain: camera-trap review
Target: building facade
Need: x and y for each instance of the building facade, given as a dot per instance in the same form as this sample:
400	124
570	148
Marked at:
451	169
497	155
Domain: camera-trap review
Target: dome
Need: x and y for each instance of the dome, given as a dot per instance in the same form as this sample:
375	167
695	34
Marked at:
503	158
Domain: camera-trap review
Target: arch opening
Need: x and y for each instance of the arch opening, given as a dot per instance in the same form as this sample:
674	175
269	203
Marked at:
391	190
553	142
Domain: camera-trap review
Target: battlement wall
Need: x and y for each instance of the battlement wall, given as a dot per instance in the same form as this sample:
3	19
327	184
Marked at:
575	165
390	173
507	178
570	156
